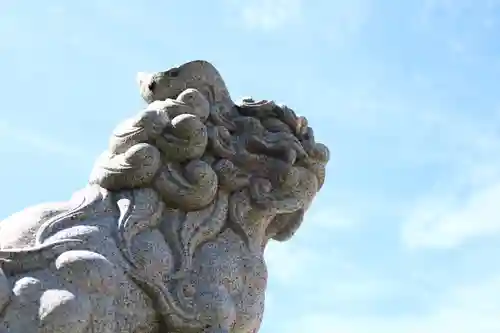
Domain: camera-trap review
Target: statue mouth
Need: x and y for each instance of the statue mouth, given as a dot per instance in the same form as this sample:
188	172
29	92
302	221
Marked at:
288	151
143	78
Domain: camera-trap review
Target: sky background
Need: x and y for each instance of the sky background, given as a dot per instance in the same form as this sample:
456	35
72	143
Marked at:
404	236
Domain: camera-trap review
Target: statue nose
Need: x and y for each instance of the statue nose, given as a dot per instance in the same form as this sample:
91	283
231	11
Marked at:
143	78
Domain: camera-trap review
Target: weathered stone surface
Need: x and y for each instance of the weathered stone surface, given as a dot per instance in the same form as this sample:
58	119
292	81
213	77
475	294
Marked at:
170	232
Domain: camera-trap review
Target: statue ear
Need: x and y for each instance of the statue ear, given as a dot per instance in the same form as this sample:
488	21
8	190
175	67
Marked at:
284	226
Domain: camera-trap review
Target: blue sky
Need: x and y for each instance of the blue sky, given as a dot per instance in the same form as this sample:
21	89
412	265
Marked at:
404	236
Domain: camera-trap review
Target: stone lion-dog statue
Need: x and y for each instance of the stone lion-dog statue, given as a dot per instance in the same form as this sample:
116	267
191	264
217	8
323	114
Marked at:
169	233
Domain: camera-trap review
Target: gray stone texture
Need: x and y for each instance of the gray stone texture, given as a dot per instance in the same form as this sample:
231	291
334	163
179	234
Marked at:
169	234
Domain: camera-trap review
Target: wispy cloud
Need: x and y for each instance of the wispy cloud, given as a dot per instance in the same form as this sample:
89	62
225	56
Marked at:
340	22
328	220
463	205
463	309
287	268
39	143
463	26
268	15
334	23
292	263
454	155
451	221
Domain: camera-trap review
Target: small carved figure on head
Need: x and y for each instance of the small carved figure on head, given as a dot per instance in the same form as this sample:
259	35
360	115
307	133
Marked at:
198	74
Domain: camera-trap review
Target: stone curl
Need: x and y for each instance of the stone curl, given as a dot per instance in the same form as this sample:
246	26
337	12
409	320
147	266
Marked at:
193	149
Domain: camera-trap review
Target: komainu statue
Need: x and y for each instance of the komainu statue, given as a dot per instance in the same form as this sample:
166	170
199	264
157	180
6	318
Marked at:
169	233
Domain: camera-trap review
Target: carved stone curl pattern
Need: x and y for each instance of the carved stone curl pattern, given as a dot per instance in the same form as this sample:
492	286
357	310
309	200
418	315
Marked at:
170	232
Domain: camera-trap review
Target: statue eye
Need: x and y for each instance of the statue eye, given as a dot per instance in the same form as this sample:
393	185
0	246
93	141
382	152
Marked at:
152	86
173	73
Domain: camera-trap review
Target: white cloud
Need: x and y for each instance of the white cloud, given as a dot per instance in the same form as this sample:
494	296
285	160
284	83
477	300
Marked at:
342	21
335	22
461	25
293	260
289	262
360	289
327	220
268	14
28	137
464	205
448	223
463	309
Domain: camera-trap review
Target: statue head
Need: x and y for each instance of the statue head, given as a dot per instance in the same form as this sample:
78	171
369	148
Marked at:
259	147
289	139
198	74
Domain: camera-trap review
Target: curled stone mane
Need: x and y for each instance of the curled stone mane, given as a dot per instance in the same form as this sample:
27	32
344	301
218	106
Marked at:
203	164
248	143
